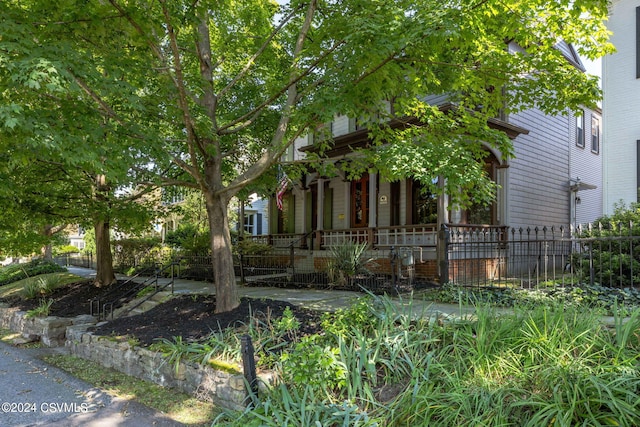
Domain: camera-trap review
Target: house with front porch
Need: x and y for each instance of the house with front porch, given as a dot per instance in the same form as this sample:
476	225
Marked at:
553	180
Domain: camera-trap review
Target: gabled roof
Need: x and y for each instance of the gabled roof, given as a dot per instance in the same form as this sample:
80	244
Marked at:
571	54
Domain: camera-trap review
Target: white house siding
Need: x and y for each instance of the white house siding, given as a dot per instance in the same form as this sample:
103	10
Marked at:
293	152
587	166
538	175
340	126
384	210
339	217
258	208
620	106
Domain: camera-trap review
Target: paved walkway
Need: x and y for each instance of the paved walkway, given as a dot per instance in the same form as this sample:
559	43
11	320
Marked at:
322	300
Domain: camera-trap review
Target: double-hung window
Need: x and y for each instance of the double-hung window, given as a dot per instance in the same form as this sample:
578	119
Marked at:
595	135
580	130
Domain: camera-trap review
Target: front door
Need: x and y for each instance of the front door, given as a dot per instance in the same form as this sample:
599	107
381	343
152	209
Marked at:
360	202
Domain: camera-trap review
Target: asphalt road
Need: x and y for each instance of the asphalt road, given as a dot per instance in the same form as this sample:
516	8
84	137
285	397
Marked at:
33	393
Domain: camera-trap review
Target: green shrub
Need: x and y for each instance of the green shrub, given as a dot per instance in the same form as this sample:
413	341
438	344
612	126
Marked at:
189	238
313	363
251	247
344	321
40	287
612	260
135	251
41	311
65	249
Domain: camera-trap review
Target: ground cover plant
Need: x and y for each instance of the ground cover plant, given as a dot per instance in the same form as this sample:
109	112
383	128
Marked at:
377	365
14	272
56	294
604	300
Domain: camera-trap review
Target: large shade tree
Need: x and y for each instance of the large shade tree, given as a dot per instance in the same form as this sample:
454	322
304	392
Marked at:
210	93
61	161
41	196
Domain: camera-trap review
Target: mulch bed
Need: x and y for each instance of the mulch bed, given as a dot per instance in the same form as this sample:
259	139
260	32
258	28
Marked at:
70	300
190	316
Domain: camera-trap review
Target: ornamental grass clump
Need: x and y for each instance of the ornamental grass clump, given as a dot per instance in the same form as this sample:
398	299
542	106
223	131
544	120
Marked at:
347	261
378	363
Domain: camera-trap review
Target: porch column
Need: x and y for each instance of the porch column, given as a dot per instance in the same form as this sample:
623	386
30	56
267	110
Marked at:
347	205
502	196
305	225
320	212
442	219
373	200
443	205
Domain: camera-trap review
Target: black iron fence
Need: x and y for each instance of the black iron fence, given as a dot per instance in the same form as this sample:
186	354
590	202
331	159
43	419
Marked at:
541	256
376	271
76	260
466	255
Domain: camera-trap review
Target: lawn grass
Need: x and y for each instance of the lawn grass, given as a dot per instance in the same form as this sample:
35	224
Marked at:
60	279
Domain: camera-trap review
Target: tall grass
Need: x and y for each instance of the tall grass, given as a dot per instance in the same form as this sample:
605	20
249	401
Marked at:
381	364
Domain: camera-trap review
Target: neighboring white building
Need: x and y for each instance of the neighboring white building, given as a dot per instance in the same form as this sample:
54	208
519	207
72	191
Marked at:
621	106
76	236
256	216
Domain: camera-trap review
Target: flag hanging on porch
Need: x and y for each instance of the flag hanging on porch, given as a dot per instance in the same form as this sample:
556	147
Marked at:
282	188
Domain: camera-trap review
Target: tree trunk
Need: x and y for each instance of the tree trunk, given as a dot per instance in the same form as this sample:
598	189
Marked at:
104	262
224	277
47	250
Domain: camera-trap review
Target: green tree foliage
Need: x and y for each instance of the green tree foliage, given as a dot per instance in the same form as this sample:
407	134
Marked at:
209	94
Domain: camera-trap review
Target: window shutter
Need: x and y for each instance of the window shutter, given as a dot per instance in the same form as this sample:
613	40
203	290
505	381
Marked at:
259	224
327	215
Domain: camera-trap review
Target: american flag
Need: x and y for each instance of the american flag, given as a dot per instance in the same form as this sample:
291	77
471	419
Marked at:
282	188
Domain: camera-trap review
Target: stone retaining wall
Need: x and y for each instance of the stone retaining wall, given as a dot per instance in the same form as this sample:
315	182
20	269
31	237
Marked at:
50	330
225	389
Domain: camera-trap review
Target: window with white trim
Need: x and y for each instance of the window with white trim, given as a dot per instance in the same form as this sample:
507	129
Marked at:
249	223
580	130
595	135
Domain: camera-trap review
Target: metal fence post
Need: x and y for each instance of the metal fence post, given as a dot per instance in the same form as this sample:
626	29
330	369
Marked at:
292	260
393	257
445	238
591	271
241	260
249	368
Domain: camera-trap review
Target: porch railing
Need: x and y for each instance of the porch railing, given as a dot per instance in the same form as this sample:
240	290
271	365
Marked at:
424	235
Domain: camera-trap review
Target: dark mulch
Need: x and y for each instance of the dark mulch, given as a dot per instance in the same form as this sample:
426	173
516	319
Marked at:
192	317
73	299
189	316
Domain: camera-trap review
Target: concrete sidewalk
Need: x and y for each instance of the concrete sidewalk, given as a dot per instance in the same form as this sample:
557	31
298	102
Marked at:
34	393
322	300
